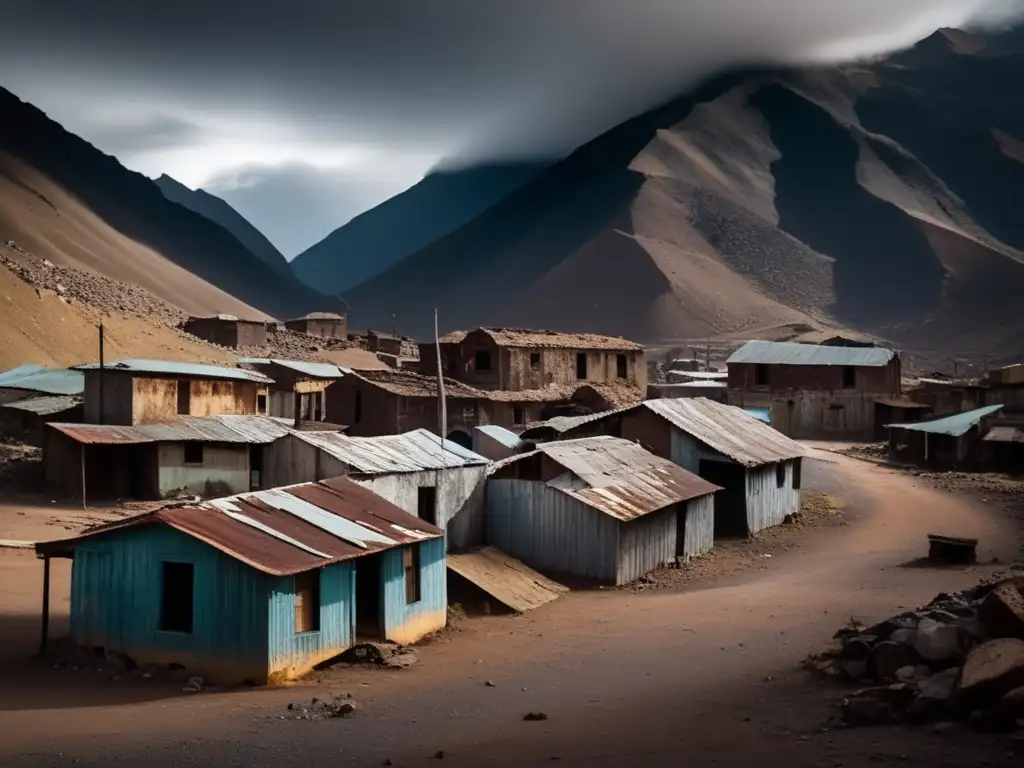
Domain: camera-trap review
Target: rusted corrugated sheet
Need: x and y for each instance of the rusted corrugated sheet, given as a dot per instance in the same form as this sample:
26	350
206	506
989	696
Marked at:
285	530
257	430
505	578
409	452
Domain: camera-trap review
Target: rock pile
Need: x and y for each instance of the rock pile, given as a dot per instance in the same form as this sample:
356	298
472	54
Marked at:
340	705
961	657
377	654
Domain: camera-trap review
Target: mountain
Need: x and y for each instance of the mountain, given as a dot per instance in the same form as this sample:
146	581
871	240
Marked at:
376	240
64	200
218	211
881	197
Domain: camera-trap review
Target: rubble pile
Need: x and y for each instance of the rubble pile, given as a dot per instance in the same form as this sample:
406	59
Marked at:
960	658
63	654
340	705
387	655
292	345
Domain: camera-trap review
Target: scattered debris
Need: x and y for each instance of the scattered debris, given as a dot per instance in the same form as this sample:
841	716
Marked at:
195	685
951	550
388	655
340	705
489	683
534	717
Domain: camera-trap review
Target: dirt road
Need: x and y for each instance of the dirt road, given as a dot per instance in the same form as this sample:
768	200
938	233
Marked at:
707	676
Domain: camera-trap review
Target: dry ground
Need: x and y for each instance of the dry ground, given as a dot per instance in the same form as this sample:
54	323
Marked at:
710	672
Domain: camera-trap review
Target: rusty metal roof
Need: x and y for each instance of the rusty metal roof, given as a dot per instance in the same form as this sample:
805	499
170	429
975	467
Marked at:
793	353
729	430
618	477
414	451
257	430
174	368
286	530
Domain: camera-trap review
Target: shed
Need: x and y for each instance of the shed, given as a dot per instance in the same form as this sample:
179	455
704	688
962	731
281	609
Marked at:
259	587
295	383
601	509
438	481
228	331
1004	449
26	419
952	442
325	324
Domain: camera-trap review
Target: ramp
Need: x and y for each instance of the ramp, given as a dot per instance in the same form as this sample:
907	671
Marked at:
505	579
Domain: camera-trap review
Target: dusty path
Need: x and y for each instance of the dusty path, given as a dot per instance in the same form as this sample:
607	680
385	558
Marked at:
706	676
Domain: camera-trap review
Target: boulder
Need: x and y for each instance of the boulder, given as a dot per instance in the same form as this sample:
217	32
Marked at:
1013	702
937	642
887	658
1002	612
992	670
904	635
935	695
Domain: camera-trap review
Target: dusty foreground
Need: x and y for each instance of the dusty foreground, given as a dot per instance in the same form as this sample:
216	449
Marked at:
707	676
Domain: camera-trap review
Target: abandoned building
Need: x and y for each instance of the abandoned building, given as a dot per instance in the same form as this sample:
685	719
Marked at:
758	468
25	420
35	380
255	588
324	324
205	456
945	397
814	391
1005	386
511	359
711	389
1003	449
298	390
228	331
152	391
600	509
950	443
441	483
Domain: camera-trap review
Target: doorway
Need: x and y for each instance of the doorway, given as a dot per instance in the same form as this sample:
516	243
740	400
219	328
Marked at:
369	607
256	467
730	503
426	504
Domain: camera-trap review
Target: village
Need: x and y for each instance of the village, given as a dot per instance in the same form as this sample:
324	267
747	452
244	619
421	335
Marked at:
186	528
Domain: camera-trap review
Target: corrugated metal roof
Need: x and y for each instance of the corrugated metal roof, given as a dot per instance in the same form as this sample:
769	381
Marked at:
313	370
505	578
50	381
701	384
727	429
46	406
1005	435
620	478
954	426
173	368
255	430
414	451
285	530
791	353
501	435
561	424
699	375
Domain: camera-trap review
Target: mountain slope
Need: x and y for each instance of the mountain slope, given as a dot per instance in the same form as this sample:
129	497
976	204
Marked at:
376	240
64	200
218	211
838	197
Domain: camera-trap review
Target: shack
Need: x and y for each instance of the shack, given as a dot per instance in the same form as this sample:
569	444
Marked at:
946	396
1004	449
814	391
438	481
35	380
151	391
950	443
758	468
324	324
26	420
255	588
205	456
298	389
228	331
600	509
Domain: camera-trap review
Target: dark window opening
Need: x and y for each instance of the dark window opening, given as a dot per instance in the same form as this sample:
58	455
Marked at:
761	375
184	398
796	473
411	564
780	474
483	360
261	403
426	504
177	589
307	601
517	414
535	361
849	377
581	365
193	453
358	415
621	366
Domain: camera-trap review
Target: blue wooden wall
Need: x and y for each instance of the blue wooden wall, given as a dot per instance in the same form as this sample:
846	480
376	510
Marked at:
408	623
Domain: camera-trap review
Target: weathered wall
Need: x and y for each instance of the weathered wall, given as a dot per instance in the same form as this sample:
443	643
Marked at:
292	653
768	503
551	531
405	623
224	471
330	329
877	380
698	526
115	603
155	400
377	409
646	543
228	333
1010	396
833	415
117	398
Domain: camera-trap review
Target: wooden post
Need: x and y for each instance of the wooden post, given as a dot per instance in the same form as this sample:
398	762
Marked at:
44	635
84	502
102	420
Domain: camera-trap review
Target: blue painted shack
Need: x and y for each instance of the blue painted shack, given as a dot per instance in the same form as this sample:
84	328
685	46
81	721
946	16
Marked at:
258	587
600	508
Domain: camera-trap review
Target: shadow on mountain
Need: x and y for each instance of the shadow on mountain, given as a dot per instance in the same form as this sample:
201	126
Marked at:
885	268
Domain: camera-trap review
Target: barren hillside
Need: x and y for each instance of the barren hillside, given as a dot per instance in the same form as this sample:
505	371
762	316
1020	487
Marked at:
881	198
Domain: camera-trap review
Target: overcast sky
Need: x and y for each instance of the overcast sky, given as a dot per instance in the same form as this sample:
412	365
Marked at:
302	113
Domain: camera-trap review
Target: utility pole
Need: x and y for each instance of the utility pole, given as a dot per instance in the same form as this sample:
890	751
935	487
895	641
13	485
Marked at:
394	324
442	410
101	413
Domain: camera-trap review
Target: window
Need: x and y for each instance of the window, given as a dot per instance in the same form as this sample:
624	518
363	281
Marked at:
193	453
307	602
535	361
184	398
780	474
261	403
176	594
581	365
849	377
358	410
621	366
517	414
411	564
761	375
426	504
483	360
797	466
